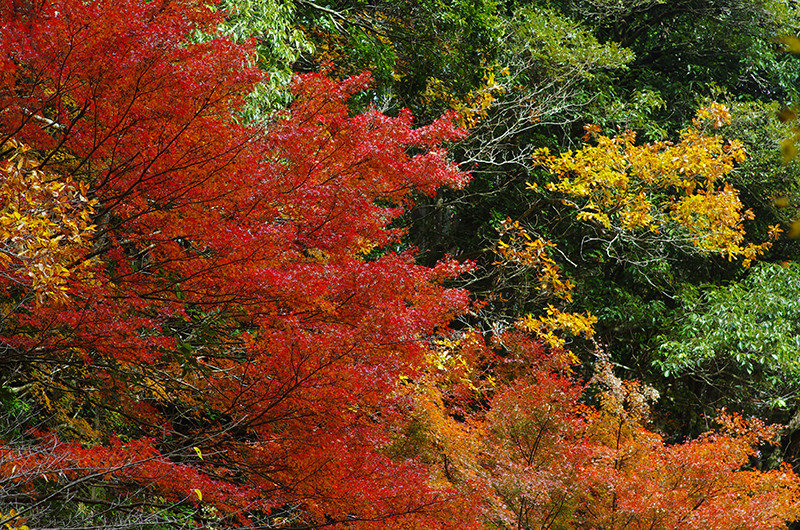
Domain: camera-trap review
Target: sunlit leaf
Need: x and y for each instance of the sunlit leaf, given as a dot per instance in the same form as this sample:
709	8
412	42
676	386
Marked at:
791	43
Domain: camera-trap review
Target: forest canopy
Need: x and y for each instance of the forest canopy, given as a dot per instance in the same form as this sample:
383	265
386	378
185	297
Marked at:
398	265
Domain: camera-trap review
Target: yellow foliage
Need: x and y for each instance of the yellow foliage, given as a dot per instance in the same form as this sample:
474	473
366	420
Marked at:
475	105
774	231
44	225
516	246
12	521
715	114
624	187
64	406
547	327
453	357
363	247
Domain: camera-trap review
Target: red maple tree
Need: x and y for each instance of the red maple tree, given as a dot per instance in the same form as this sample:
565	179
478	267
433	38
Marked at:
232	329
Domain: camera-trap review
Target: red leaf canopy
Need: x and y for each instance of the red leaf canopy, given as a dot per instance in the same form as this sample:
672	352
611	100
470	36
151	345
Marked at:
237	323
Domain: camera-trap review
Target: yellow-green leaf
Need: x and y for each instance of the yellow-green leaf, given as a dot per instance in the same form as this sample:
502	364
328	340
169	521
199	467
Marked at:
792	43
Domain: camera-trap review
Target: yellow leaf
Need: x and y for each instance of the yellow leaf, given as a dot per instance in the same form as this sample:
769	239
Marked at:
199	494
788	149
199	454
792	43
794	229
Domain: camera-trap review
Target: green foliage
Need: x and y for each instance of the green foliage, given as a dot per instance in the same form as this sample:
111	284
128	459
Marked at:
556	44
742	340
406	45
684	47
278	43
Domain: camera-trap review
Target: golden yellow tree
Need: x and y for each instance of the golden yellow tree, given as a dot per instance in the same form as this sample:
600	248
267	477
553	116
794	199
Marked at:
668	192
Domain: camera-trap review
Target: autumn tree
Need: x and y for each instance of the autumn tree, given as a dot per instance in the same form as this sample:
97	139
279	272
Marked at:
209	323
204	323
512	420
545	450
547	69
673	194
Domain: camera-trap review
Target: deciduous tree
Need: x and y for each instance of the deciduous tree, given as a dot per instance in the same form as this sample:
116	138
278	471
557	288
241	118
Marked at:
232	332
658	194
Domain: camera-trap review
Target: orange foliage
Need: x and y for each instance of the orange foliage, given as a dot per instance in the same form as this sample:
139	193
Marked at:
539	457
